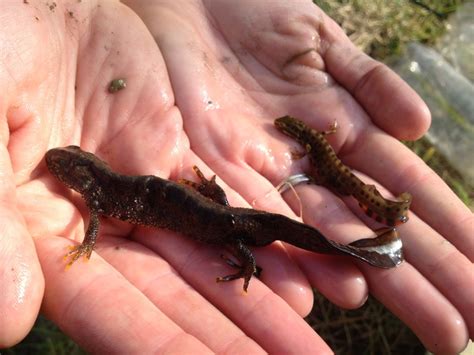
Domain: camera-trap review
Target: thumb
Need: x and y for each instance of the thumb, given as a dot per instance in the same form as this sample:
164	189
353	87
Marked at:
21	279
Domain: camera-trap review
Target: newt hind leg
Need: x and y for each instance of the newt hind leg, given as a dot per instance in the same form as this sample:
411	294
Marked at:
247	269
230	262
208	188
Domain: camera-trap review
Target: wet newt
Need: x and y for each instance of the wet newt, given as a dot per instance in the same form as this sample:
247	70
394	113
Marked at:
333	174
198	210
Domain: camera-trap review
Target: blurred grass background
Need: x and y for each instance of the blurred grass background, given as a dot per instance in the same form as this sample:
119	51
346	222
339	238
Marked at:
381	29
45	339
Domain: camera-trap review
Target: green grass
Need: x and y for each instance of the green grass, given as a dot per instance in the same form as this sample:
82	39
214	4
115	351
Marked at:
424	149
382	28
45	339
370	329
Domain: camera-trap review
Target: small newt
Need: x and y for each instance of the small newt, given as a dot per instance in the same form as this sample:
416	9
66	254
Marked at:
198	210
336	176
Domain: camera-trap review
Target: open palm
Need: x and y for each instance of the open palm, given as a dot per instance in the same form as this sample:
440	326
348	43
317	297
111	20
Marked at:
203	89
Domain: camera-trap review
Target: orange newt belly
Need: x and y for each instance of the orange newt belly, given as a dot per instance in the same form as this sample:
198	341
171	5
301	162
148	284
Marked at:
336	176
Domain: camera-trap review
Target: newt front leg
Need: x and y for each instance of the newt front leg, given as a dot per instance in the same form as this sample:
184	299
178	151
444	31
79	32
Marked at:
87	246
208	188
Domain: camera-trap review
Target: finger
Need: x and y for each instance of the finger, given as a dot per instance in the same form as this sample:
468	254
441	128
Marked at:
401	170
98	308
337	278
404	289
437	260
255	313
21	279
389	101
163	286
417	303
443	265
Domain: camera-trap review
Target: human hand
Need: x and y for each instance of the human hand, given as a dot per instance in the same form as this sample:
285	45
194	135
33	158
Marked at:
130	297
235	66
126	131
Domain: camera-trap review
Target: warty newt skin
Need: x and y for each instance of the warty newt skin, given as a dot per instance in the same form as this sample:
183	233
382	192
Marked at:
336	176
199	211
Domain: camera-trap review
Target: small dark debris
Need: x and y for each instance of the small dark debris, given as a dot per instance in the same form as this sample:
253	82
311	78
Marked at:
117	85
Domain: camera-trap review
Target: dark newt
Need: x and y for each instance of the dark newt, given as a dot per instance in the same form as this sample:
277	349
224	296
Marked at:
200	212
336	176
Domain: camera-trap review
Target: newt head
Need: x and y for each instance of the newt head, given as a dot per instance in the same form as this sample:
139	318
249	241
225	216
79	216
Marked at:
71	166
289	126
399	209
389	212
392	215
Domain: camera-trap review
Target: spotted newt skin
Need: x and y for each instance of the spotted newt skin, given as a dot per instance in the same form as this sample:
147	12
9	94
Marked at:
199	211
332	173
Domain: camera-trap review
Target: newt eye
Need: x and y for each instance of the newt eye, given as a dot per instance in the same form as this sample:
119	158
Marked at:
95	204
